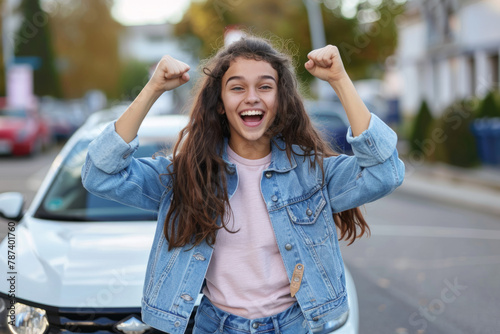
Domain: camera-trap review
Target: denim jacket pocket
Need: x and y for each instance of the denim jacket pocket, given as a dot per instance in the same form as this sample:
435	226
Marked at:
163	270
309	218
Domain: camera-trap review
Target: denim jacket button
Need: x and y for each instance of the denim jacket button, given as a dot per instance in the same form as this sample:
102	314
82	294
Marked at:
269	175
288	247
177	323
187	297
199	257
274	198
309	212
255	325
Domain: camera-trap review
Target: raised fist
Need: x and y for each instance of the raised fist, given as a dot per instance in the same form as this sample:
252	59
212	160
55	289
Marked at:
169	74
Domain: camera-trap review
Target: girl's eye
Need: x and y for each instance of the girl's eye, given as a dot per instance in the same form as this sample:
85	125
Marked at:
266	87
237	88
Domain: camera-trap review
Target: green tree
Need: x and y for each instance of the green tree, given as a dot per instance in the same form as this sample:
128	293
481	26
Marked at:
364	43
33	40
489	106
420	130
86	39
367	40
458	145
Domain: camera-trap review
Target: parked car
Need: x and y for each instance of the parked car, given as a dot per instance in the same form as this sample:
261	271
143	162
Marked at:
80	259
63	117
330	119
23	132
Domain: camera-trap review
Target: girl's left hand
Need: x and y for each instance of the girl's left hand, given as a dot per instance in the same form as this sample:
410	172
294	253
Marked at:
326	64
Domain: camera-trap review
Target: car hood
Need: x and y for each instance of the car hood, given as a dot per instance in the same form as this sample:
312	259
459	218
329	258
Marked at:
84	264
13	123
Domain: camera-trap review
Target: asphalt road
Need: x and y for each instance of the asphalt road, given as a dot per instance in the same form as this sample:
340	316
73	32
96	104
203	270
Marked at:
24	175
427	267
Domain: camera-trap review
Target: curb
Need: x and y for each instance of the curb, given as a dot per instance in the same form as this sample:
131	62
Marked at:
487	177
464	194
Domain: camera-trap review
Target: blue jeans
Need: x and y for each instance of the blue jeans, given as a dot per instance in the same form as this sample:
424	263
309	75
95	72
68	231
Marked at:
211	320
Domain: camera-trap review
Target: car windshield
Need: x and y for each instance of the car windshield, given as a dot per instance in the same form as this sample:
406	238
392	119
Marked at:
331	121
19	113
67	199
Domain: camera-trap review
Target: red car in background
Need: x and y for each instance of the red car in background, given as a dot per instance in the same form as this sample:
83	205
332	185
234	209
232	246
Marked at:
22	132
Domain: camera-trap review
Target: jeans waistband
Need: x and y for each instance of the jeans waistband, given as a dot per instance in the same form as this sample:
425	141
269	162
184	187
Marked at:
260	325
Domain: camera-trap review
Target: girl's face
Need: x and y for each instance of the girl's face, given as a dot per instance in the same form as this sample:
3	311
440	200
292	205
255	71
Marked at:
249	95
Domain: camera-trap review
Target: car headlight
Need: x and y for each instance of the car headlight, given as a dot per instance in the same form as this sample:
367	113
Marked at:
28	320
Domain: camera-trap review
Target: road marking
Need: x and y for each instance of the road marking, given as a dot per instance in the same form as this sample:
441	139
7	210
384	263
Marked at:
433	232
407	263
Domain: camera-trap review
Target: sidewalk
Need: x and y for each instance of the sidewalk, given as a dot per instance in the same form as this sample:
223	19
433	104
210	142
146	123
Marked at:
472	189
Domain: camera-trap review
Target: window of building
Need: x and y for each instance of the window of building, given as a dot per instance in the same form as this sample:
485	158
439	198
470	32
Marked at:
156	38
453	65
494	68
450	22
471	68
436	88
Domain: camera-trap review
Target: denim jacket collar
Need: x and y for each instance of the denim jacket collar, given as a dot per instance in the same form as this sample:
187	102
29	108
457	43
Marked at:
279	159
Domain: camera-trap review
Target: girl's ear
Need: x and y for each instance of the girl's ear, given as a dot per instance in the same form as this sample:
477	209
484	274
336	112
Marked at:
220	109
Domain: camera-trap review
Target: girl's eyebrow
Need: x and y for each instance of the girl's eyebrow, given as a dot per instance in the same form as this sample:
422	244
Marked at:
237	77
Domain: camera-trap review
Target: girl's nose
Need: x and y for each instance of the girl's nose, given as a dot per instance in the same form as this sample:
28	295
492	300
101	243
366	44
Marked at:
252	97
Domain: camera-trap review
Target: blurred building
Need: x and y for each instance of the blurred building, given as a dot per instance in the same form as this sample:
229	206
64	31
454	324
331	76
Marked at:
448	50
148	43
11	21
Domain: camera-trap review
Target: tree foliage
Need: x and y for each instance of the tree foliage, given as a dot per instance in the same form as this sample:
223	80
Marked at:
458	144
420	129
86	39
364	43
489	106
33	39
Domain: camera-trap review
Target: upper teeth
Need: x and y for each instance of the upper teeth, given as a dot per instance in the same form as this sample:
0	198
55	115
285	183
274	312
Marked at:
251	113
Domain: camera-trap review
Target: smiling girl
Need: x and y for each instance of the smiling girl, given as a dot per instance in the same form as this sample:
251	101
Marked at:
251	199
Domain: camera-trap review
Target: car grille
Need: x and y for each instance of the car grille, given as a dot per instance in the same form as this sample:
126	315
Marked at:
68	321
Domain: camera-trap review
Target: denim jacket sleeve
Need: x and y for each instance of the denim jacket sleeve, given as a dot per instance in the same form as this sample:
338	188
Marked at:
373	172
110	171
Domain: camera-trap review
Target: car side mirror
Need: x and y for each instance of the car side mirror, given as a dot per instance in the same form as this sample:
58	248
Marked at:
11	205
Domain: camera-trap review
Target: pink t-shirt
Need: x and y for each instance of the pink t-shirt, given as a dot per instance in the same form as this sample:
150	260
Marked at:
246	275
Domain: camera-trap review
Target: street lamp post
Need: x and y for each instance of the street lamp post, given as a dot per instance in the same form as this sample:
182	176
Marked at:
316	27
9	23
5	43
318	40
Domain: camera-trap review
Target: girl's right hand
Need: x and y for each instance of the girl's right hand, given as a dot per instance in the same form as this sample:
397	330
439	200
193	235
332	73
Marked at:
169	74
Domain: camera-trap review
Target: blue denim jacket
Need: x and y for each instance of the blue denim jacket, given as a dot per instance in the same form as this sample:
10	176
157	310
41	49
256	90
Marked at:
300	207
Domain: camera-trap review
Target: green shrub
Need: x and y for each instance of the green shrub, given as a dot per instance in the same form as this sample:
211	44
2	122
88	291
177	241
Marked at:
489	106
452	136
418	134
134	75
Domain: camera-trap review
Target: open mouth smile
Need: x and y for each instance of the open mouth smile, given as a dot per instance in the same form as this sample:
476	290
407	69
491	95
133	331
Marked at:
252	117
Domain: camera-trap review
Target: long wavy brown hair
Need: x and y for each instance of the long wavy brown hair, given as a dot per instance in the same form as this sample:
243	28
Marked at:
200	196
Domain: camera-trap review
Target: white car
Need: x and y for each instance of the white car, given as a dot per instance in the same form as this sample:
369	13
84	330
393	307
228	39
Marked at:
77	262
